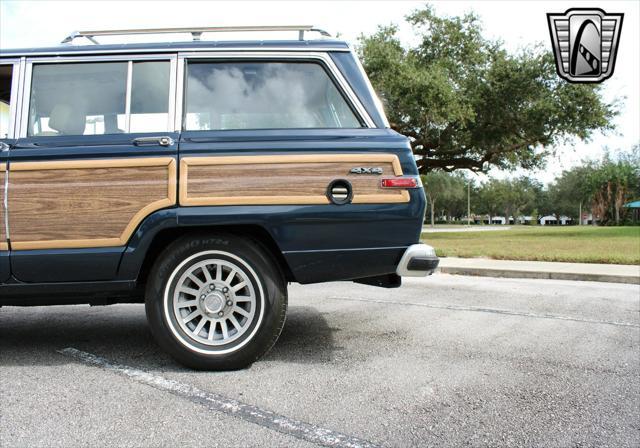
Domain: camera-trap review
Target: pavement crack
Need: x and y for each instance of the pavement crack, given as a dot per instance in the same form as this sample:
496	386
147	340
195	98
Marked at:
490	310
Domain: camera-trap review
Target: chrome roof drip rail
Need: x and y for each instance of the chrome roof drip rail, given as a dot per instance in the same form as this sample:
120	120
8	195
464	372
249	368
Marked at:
195	32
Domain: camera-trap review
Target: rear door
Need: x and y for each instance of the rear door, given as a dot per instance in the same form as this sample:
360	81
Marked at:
96	156
281	140
9	74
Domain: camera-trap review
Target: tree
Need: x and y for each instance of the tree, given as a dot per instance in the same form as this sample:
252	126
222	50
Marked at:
603	186
440	186
569	194
456	201
467	103
489	201
612	184
516	195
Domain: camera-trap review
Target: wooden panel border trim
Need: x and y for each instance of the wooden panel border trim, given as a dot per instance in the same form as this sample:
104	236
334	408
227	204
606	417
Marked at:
92	163
186	162
170	200
3	244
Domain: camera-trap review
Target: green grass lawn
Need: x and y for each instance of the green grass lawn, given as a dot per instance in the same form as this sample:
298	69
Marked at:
583	244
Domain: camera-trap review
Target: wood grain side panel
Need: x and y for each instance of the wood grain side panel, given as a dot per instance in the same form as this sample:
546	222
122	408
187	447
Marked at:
3	235
299	179
86	203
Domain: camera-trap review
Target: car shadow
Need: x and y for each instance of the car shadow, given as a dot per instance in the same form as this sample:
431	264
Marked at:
32	336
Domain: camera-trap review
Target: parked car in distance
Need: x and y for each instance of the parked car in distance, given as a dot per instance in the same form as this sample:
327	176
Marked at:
201	178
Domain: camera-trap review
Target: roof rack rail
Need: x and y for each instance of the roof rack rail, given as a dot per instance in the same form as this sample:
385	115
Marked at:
195	32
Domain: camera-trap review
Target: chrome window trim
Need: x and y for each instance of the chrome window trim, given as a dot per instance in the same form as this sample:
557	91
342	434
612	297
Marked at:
127	98
130	59
61	53
172	92
372	92
20	101
324	58
13	95
179	93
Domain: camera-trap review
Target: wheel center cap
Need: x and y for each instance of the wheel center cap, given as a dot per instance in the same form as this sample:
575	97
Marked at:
214	303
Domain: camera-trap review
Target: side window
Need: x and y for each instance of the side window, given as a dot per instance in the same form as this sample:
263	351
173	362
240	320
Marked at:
78	99
91	98
263	95
6	77
150	96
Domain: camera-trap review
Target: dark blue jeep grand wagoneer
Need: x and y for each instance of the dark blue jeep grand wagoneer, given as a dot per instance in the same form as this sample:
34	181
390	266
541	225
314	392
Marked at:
200	177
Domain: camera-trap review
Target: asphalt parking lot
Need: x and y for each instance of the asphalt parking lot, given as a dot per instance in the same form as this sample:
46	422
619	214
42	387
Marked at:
443	361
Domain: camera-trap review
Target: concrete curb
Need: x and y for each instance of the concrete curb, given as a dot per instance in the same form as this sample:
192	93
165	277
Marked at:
512	273
590	272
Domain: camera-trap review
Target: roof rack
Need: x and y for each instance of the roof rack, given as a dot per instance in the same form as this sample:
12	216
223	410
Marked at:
195	32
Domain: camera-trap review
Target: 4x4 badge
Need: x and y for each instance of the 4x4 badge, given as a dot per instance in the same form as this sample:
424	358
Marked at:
364	170
585	42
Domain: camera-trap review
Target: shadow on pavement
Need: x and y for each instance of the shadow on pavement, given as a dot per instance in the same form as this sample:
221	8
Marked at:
31	336
306	338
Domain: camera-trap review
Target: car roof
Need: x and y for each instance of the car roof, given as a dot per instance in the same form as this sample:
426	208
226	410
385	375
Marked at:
160	47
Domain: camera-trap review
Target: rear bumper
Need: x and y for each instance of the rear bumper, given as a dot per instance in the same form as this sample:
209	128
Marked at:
418	260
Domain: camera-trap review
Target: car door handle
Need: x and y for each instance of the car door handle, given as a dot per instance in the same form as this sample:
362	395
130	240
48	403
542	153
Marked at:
146	141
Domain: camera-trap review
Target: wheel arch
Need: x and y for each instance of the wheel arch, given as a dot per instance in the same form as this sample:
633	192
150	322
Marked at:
254	232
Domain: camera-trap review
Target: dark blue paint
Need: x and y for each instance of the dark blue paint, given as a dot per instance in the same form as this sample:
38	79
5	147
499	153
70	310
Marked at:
4	265
66	265
136	250
67	293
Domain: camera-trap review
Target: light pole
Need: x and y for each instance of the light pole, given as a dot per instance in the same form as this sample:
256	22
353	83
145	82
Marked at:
469	204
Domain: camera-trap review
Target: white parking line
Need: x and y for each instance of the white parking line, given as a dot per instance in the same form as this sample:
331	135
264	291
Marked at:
220	403
490	310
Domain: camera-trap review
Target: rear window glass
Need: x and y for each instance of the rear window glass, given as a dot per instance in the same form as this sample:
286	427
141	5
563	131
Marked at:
263	95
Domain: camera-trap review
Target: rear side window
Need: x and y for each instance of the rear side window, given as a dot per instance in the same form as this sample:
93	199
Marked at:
92	98
263	95
150	96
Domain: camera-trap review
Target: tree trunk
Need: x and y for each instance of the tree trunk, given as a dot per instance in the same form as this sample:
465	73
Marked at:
619	202
580	214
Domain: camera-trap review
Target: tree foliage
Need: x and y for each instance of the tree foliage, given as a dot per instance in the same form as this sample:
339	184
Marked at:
601	187
609	184
442	188
467	103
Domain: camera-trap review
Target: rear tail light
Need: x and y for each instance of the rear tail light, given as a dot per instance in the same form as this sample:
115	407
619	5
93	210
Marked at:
400	182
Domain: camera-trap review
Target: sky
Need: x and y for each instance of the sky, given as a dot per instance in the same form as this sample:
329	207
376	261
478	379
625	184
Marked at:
517	23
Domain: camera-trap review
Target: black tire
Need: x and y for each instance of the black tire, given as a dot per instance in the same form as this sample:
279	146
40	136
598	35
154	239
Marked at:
165	301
